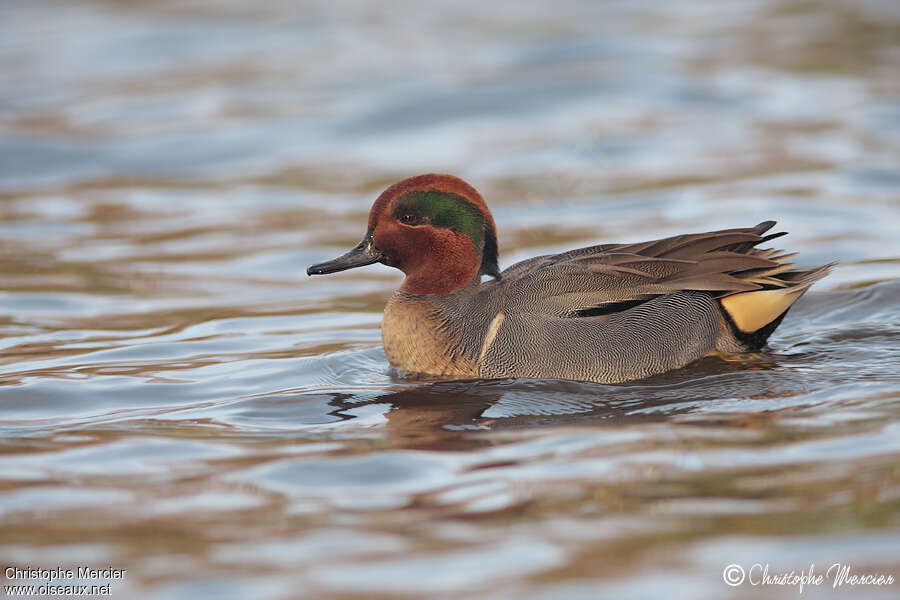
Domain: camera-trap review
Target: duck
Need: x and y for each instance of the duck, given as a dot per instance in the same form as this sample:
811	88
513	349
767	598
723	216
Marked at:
608	313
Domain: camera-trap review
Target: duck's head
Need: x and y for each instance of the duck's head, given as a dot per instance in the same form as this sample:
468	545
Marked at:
435	228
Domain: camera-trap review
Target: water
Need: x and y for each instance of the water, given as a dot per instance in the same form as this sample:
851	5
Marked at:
181	401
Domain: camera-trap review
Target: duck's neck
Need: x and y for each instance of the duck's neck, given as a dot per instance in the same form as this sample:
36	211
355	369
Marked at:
438	282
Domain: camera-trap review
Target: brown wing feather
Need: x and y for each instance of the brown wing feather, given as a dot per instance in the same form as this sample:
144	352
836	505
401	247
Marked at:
722	262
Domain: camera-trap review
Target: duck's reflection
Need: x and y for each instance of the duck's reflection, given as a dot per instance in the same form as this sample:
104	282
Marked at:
455	415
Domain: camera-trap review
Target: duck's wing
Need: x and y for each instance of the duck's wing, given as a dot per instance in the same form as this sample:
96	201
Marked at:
610	278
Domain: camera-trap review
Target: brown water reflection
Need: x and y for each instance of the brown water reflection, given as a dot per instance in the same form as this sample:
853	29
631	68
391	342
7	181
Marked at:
179	400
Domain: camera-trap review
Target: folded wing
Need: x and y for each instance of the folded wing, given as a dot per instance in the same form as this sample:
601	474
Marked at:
611	278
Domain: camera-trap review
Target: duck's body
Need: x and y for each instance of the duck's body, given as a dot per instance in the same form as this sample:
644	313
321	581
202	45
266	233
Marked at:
606	313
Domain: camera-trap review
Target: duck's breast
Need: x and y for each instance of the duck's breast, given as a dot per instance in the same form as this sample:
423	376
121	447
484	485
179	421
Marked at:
416	340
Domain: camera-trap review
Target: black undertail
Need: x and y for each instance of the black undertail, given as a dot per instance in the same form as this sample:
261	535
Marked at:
754	340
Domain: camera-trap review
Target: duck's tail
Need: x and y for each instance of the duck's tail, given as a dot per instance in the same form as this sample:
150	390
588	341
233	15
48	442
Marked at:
754	315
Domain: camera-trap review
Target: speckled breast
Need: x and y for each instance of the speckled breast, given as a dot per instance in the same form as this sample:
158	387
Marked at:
415	342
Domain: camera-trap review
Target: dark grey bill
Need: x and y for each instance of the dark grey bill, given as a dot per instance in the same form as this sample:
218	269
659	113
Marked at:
365	253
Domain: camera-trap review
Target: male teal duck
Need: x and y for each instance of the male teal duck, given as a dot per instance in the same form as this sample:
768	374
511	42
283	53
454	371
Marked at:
607	313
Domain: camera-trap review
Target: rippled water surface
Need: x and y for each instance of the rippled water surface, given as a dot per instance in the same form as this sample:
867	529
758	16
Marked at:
179	400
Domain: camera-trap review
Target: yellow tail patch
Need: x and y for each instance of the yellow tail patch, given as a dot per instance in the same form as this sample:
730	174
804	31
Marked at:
751	311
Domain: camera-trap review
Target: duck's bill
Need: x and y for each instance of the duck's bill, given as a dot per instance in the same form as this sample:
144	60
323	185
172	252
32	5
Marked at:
365	253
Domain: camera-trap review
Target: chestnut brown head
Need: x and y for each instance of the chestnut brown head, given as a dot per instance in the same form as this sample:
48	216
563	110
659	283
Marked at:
435	228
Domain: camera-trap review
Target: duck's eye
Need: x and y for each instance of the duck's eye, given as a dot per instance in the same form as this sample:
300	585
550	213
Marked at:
408	218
